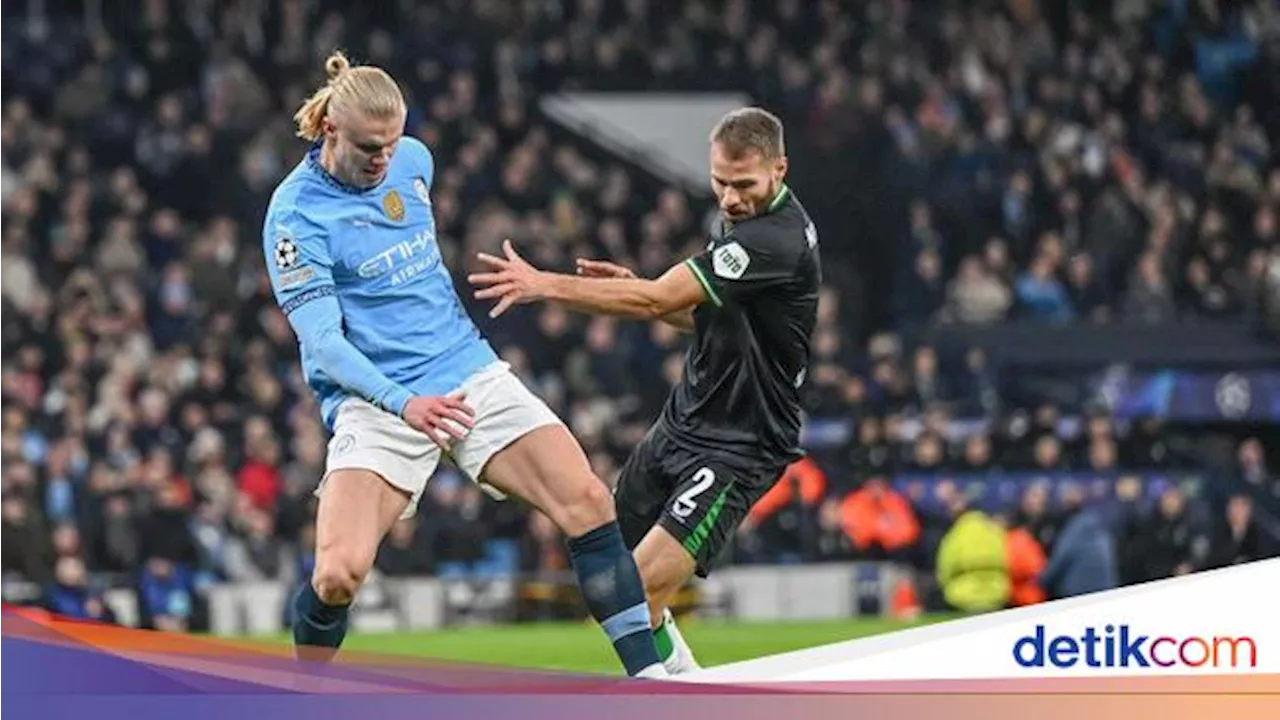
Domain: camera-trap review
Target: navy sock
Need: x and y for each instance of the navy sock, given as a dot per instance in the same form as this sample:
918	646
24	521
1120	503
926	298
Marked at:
317	625
614	593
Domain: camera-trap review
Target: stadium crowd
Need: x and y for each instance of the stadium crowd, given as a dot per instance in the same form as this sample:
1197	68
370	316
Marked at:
1067	162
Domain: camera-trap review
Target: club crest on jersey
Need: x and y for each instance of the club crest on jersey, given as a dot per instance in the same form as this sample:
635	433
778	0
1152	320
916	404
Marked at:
344	444
393	206
420	187
730	261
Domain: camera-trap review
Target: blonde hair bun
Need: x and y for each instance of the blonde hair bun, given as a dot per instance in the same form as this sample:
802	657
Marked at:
366	89
336	64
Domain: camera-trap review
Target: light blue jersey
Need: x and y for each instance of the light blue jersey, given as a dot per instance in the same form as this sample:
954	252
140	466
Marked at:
359	275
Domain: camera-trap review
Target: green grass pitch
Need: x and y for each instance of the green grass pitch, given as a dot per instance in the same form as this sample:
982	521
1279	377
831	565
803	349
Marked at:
582	646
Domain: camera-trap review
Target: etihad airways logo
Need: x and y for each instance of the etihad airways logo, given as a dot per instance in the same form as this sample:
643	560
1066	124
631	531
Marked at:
404	259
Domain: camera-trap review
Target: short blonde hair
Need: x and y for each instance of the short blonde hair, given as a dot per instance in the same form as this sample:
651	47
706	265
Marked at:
365	88
750	129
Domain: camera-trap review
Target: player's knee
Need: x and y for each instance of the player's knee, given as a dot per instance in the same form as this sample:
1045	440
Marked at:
337	579
590	507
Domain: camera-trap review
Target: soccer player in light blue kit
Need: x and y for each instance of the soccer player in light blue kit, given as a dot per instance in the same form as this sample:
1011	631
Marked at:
402	375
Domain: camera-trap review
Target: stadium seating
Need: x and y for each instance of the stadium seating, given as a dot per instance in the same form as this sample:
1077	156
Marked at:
1074	213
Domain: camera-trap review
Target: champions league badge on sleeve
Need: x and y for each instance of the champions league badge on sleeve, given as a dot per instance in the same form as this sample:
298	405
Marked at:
286	252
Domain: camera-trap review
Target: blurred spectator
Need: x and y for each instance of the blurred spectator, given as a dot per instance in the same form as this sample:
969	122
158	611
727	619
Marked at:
254	553
28	551
977	454
976	296
924	291
1150	298
543	550
1041	296
928	453
973	564
976	390
1026	562
1252	466
1127	525
259	478
1171	545
69	594
930	386
455	523
1085	291
165	592
1145	446
803	482
164	531
1239	540
868	452
879	520
405	553
1083	558
1035	515
1047	455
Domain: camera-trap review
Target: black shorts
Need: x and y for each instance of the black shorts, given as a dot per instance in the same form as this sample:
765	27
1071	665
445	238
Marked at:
700	497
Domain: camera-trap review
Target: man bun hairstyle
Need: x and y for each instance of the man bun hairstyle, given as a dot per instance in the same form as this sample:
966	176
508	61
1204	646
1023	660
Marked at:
363	88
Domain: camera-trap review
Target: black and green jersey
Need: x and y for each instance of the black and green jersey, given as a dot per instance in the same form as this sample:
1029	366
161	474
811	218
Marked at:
741	388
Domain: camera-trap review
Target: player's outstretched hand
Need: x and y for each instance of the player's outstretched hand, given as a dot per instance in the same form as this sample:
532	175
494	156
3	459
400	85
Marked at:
511	280
603	269
440	417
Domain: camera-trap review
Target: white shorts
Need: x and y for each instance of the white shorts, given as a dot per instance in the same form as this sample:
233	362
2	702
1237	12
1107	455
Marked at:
365	437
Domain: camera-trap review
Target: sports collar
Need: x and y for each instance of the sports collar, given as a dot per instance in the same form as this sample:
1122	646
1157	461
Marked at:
780	199
777	202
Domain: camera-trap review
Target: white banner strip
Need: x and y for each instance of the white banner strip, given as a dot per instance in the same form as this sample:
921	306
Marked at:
1216	622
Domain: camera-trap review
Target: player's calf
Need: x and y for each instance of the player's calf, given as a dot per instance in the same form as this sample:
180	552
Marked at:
665	566
548	469
614	595
608	576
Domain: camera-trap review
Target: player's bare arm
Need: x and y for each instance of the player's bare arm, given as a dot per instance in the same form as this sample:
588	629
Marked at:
681	319
513	281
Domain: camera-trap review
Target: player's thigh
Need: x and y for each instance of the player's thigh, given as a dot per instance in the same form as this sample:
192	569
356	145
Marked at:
519	447
357	508
548	469
376	471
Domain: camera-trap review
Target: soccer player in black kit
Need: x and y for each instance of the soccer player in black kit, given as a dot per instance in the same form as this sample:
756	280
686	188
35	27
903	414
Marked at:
732	425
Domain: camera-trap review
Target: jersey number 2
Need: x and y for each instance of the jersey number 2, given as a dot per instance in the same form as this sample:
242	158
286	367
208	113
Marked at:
685	503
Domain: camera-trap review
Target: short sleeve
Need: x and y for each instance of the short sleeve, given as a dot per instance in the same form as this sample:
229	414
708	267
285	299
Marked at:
298	261
745	262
